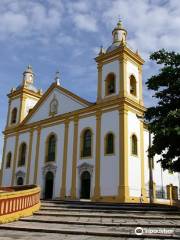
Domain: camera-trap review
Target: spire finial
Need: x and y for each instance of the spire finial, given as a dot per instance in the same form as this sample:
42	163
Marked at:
102	51
57	78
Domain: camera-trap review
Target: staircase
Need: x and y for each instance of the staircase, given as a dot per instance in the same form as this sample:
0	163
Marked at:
101	220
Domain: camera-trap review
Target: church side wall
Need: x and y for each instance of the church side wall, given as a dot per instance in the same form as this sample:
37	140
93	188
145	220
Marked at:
7	172
58	130
33	155
109	166
134	164
89	122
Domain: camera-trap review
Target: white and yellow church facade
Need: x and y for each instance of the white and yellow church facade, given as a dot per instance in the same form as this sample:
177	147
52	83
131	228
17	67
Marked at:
76	149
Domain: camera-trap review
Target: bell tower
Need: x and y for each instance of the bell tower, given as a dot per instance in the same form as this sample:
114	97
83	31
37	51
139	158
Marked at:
22	99
119	69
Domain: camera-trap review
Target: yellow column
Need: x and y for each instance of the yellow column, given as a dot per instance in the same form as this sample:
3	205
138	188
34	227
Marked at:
22	108
64	168
123	155
8	116
3	160
15	159
97	189
37	155
123	76
99	91
74	161
140	85
29	156
143	189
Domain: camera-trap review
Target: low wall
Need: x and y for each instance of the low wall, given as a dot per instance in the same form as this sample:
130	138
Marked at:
16	202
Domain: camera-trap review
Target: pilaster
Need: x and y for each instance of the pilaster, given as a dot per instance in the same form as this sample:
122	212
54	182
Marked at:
37	155
3	160
98	152
64	168
74	161
123	76
15	159
29	155
123	155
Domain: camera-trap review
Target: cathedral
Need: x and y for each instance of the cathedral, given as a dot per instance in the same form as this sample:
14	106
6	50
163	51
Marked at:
75	149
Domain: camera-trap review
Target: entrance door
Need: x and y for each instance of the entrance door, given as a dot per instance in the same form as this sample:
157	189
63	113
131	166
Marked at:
85	185
49	181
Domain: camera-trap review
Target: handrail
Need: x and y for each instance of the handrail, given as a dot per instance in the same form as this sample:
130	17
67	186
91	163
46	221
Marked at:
18	202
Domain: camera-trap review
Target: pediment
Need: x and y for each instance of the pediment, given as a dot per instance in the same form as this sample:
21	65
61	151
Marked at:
55	101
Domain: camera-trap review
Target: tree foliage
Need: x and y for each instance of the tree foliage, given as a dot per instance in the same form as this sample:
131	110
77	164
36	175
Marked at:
164	118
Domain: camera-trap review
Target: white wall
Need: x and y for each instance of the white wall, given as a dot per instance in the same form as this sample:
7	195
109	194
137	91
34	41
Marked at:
134	164
112	67
89	122
29	103
109	166
7	172
45	132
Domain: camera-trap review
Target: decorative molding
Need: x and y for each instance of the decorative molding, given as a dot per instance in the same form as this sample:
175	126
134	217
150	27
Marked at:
53	106
85	167
49	167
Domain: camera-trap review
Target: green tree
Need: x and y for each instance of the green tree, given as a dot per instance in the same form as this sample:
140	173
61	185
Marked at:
164	118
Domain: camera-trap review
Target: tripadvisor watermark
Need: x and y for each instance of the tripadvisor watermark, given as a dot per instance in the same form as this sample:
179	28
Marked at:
141	231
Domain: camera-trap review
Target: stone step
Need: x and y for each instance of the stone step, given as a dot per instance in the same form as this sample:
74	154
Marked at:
71	209
103	222
93	230
115	206
109	215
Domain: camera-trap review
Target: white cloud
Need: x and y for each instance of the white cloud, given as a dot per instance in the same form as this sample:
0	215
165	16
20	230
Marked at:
85	22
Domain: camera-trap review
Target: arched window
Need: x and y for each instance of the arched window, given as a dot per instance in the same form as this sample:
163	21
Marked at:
20	181
86	143
51	148
22	155
110	84
134	145
109	143
133	85
13	115
8	160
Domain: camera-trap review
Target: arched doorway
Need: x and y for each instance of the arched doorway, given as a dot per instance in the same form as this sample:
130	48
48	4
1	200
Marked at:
20	181
49	182
85	185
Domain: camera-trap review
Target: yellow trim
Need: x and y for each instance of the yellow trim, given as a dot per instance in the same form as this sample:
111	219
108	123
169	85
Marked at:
123	155
64	168
123	76
82	143
139	109
3	160
99	90
37	155
8	116
15	160
17	215
74	160
22	108
105	144
29	156
97	189
143	188
140	85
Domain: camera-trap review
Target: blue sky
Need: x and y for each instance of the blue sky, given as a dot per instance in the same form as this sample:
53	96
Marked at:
65	35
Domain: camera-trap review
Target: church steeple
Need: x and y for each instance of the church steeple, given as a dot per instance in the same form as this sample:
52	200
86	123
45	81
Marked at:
119	33
28	76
